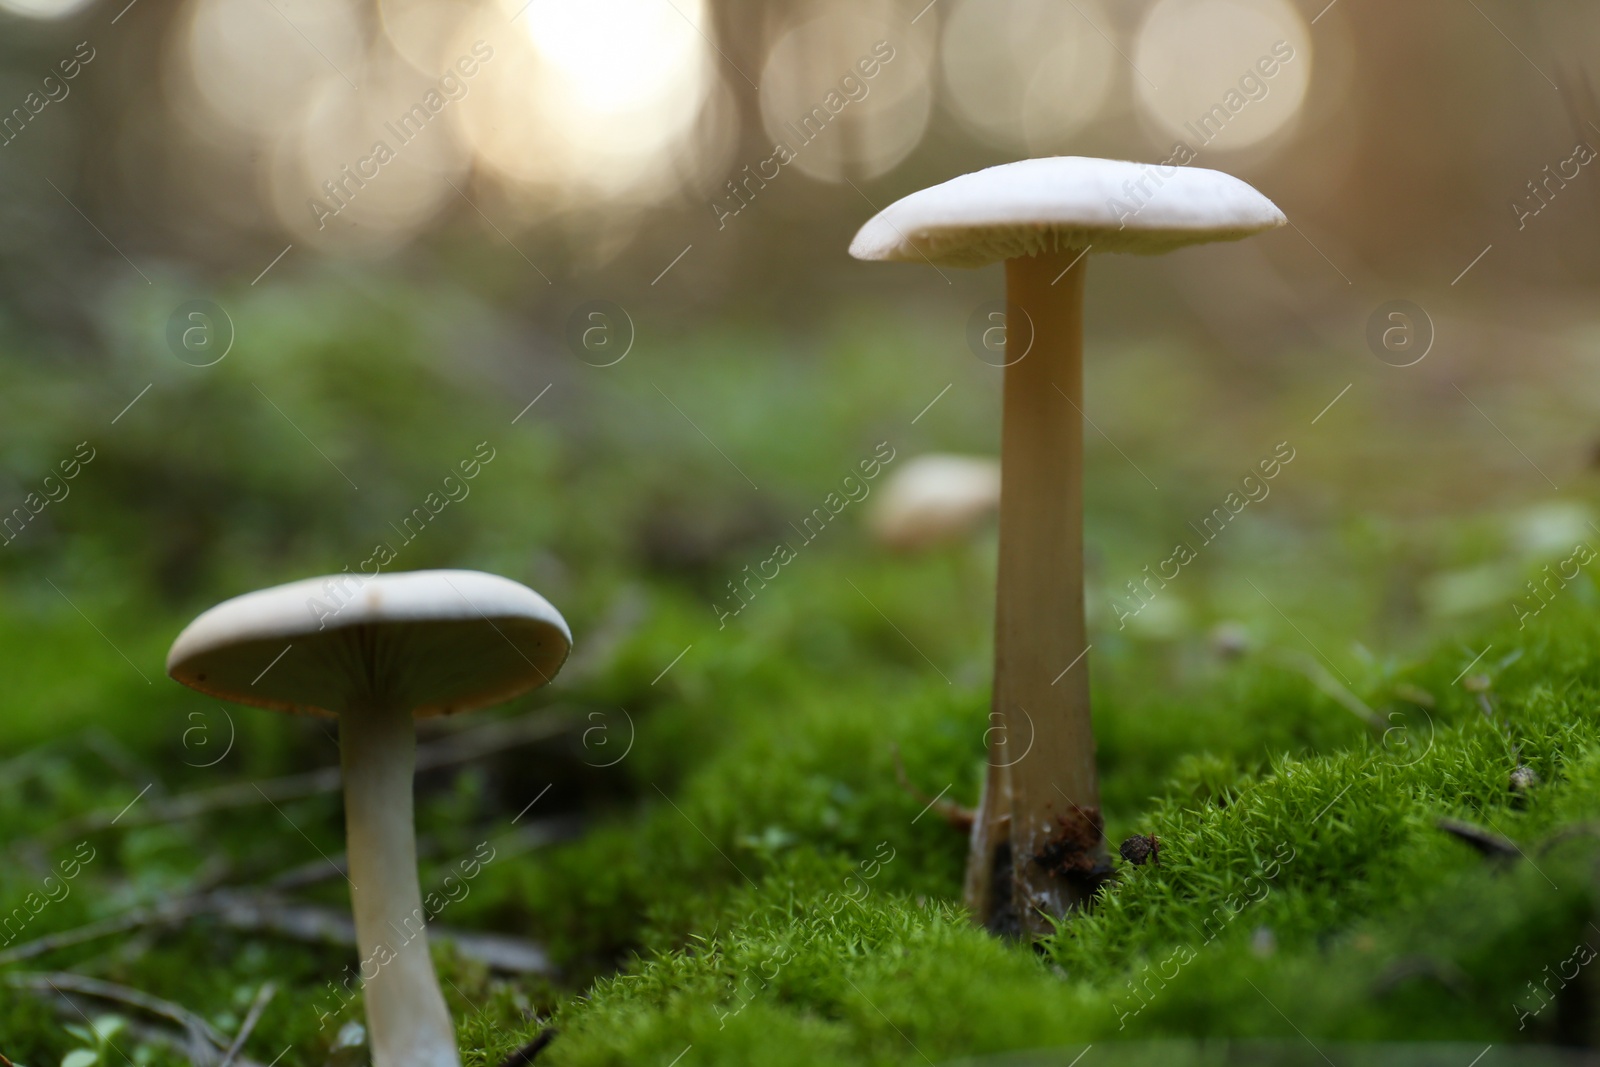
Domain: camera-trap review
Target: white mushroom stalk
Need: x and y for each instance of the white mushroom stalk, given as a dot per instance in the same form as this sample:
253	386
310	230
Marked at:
1046	749
406	1014
379	653
1038	847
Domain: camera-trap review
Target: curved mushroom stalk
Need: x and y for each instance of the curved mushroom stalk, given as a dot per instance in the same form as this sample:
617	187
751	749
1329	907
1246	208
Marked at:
408	1023
428	642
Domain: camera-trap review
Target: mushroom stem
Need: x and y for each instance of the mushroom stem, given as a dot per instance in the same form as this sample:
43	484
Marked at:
1038	835
407	1022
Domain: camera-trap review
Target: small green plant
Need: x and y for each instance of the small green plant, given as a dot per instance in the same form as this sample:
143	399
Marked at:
96	1038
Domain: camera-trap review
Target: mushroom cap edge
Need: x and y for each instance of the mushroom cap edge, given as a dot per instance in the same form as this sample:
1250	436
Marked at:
452	640
1059	203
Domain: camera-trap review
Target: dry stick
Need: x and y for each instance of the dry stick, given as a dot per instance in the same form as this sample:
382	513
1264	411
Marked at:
193	1047
1487	843
527	1053
263	997
66	981
957	816
333	926
168	912
465	747
319	870
252	910
130	920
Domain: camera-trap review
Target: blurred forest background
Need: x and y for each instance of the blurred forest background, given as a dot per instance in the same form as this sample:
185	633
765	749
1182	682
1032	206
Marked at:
256	365
198	151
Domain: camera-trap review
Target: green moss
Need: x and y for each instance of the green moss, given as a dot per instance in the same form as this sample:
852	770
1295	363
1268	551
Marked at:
1316	890
751	879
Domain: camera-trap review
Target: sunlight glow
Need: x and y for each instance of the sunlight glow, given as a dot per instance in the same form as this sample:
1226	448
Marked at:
617	56
599	96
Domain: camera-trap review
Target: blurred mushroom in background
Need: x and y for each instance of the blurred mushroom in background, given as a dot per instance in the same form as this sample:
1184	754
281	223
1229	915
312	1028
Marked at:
1229	640
936	499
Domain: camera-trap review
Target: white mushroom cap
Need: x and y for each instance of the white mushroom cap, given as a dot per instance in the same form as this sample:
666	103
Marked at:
935	498
1060	203
427	642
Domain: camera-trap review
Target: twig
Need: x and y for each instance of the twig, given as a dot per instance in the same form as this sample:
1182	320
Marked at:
337	865
59	981
248	909
263	997
193	1047
333	926
465	747
1490	845
525	1055
130	920
168	912
957	816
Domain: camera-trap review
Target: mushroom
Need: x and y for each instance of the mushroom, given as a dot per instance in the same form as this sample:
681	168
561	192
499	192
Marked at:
377	652
1037	845
935	498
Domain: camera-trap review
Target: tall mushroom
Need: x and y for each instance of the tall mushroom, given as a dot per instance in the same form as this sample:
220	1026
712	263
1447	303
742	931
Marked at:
376	653
1037	846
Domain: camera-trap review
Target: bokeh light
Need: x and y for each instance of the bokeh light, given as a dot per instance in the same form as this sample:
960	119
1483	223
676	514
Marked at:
1221	75
1026	74
420	31
256	63
376	163
42	9
848	91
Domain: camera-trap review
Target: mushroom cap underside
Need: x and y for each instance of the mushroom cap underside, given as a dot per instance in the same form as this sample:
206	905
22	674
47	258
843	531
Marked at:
427	642
1062	203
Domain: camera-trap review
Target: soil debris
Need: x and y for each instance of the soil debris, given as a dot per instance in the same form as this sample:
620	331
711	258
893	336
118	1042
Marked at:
1523	779
1141	847
1075	853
